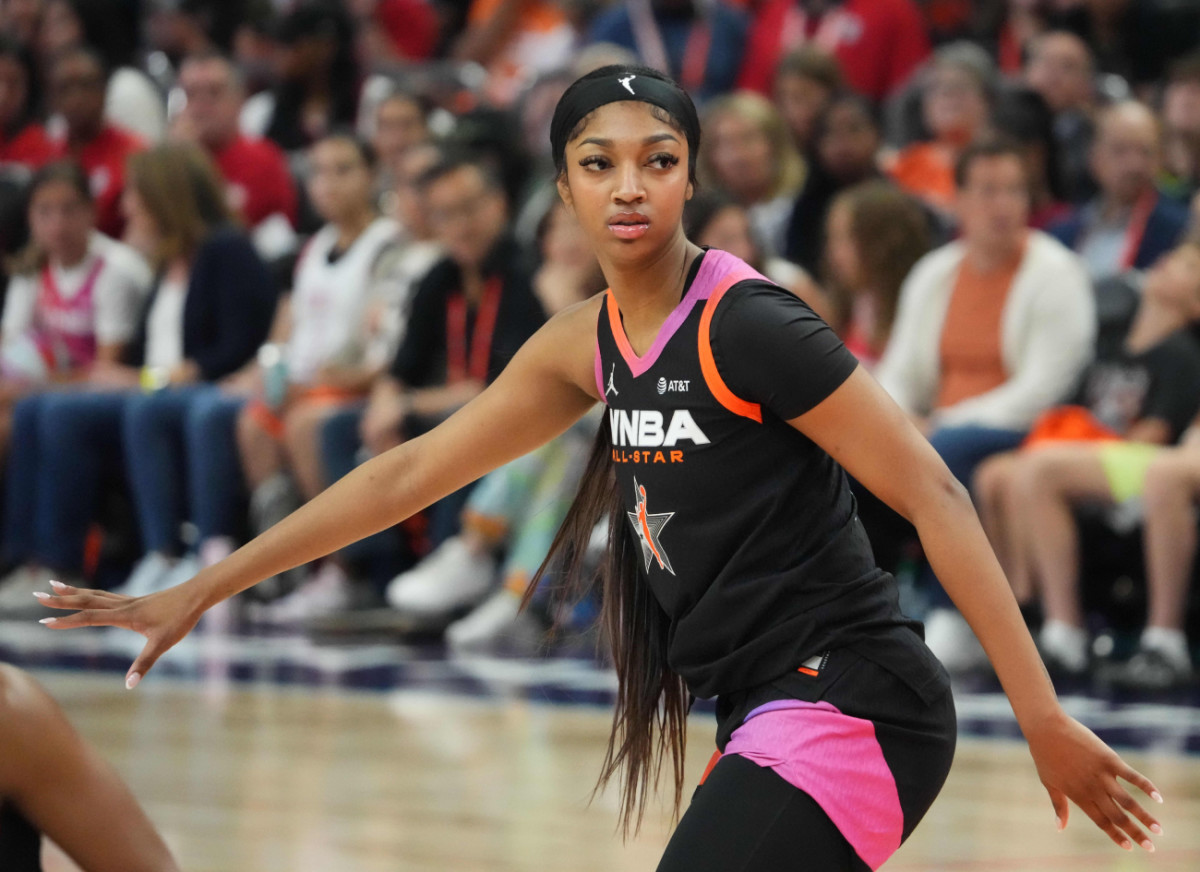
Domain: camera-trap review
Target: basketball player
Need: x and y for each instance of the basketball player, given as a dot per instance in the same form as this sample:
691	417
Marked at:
737	565
52	782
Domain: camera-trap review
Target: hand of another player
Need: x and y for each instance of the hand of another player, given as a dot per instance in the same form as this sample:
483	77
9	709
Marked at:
1073	763
163	618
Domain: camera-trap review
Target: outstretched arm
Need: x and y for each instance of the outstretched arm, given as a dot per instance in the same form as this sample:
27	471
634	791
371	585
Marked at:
869	435
548	385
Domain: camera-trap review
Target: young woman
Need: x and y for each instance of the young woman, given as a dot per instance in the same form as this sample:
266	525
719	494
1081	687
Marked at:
737	566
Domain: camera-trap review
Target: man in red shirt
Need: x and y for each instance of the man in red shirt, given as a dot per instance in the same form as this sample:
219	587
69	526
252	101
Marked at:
878	42
77	88
259	186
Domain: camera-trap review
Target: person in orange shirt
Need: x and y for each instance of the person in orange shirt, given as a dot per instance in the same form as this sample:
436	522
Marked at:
515	40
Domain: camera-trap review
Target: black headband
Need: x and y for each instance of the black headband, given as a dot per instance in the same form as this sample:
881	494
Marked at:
588	95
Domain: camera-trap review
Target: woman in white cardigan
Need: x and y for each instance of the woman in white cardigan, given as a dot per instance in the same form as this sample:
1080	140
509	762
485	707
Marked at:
1047	327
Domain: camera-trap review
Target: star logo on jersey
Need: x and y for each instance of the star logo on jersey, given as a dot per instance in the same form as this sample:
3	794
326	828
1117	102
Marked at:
648	528
625	80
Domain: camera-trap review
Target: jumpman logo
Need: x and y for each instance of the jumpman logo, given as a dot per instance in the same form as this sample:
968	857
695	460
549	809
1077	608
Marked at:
648	528
625	82
612	384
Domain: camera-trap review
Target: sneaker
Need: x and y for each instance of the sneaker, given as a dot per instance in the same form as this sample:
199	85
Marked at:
1064	648
185	569
451	578
147	576
497	621
1150	669
18	587
327	592
951	640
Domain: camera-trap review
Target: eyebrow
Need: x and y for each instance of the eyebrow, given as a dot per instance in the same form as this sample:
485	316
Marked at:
649	140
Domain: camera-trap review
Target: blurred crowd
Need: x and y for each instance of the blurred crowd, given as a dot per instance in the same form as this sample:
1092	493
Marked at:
250	243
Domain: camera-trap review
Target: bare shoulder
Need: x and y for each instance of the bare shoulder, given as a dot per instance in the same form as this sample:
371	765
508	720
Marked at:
567	344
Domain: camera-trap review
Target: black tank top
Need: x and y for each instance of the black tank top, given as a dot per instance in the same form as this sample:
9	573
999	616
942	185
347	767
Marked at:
748	531
20	843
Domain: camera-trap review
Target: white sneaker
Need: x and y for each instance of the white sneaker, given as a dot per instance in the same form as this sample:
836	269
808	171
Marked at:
452	577
950	638
1063	647
18	587
327	592
498	619
184	570
147	576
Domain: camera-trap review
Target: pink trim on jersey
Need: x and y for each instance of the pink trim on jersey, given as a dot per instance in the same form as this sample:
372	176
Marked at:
600	374
835	759
715	266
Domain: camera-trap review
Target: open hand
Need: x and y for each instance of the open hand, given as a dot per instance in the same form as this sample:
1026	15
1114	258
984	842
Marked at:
163	618
1073	763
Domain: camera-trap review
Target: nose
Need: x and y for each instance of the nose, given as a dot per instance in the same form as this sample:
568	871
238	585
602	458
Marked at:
629	188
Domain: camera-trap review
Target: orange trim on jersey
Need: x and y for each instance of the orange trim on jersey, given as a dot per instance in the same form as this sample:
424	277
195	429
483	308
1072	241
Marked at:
617	328
807	671
709	768
708	365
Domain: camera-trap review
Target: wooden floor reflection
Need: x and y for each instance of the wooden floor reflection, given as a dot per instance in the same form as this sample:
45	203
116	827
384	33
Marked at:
247	779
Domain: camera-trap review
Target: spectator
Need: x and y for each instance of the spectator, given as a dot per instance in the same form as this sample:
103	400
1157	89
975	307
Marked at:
77	82
805	83
23	141
876	234
401	122
469	316
1023	115
75	297
518	508
956	97
990	330
1129	224
712	220
319	79
515	41
748	154
322	327
1181	128
209	312
879	43
392	32
847	145
1140	393
132	100
1060	68
699	44
259	186
20	19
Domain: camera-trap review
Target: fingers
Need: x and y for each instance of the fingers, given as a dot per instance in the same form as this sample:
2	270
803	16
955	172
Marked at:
149	656
1140	781
1062	808
1122	798
90	599
87	618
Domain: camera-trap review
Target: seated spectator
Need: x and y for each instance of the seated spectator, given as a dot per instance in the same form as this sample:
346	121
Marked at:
1060	68
1024	116
258	184
1140	393
322	328
518	508
52	782
469	316
876	234
748	154
805	84
401	122
991	330
318	85
956	97
847	146
77	82
75	297
1128	224
23	140
132	101
699	44
713	220
515	41
205	318
879	43
1181	129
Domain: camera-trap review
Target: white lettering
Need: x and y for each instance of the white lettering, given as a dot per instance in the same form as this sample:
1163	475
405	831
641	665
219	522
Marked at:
683	427
650	431
642	428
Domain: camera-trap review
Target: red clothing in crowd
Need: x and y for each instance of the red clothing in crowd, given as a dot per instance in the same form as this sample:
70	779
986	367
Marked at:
103	159
411	25
259	184
878	42
31	147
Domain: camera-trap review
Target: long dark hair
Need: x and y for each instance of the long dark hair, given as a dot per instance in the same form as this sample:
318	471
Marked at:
650	717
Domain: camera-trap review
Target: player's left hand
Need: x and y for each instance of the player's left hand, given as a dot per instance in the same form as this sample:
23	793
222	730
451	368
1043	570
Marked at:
1074	764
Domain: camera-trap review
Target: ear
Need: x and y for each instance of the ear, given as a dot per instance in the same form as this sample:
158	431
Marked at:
691	190
564	192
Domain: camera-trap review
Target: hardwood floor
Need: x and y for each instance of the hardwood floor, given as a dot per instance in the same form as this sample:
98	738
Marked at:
261	778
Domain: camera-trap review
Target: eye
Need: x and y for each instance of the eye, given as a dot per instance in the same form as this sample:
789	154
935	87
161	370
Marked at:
595	163
664	161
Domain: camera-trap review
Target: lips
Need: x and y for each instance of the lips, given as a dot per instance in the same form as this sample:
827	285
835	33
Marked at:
628	225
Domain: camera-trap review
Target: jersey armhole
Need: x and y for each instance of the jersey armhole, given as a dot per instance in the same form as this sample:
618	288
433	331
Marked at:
708	365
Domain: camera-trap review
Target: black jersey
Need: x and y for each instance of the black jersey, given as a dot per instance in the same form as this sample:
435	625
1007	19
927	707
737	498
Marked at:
748	531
